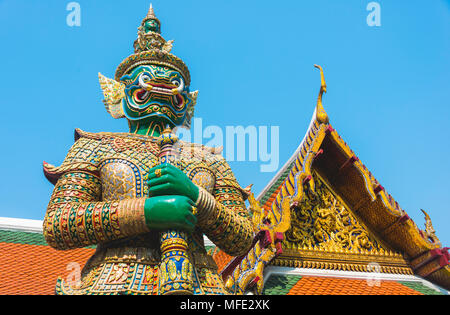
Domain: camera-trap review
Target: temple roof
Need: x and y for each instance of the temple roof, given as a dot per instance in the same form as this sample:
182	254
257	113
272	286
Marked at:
324	152
303	217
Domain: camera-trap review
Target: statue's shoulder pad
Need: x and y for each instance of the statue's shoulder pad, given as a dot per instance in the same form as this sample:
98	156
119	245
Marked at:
76	159
94	136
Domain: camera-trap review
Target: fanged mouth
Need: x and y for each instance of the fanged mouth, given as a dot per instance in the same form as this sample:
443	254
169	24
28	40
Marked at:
148	87
161	88
142	95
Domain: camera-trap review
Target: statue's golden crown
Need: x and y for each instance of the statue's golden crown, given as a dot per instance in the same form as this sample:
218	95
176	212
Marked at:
151	48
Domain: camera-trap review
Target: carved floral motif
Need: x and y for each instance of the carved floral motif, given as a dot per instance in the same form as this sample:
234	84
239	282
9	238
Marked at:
322	221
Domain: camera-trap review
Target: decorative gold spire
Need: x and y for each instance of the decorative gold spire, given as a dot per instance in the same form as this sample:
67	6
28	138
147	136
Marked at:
321	114
151	48
151	13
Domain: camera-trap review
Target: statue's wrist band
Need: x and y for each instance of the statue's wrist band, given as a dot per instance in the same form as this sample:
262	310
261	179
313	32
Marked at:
206	204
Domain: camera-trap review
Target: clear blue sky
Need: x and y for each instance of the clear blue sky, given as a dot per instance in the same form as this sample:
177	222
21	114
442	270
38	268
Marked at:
252	62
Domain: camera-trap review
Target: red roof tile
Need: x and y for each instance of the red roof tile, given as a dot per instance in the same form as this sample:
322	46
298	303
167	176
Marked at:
33	269
340	286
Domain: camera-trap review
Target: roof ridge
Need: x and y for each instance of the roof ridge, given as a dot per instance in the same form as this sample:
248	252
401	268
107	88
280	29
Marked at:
23	225
288	165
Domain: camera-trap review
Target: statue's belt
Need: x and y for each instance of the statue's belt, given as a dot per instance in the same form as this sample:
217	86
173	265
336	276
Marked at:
144	255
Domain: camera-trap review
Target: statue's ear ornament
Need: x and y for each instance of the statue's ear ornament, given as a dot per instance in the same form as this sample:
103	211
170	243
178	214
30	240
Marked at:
193	96
190	110
113	92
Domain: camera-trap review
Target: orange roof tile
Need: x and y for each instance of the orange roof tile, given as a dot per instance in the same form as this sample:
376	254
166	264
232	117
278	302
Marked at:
339	286
33	269
272	198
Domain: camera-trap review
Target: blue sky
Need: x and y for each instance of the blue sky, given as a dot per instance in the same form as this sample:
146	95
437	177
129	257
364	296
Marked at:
252	62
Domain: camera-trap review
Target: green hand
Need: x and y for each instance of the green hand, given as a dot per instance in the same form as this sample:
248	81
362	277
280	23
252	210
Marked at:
171	182
170	212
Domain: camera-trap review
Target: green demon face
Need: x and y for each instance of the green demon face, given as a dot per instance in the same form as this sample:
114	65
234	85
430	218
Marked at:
152	26
159	92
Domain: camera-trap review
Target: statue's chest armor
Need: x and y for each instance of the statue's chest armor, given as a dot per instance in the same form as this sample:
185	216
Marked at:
125	176
121	179
202	176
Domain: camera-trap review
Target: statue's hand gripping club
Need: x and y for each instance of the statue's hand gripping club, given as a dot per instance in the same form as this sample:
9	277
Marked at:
170	184
166	181
170	212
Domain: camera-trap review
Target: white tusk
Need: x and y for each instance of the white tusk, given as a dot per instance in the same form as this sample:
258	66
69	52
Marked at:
144	85
145	94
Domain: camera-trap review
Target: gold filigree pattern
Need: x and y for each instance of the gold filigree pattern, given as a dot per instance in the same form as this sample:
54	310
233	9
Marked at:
203	178
113	92
118	181
322	221
336	259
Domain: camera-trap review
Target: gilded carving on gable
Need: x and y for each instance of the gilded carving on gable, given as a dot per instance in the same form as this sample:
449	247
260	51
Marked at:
322	221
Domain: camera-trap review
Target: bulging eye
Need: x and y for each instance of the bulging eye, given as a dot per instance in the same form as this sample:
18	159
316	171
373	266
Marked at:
178	82
145	78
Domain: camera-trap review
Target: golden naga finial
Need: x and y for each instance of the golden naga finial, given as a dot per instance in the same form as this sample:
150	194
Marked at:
429	230
321	114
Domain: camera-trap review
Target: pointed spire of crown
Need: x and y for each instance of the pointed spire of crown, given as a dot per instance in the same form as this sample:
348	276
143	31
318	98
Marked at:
151	22
151	48
151	12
